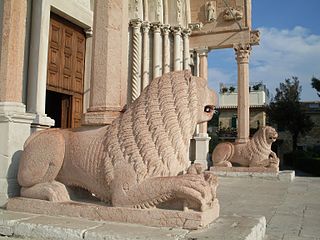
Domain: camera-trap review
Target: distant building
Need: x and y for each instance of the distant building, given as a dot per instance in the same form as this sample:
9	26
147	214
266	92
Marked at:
227	110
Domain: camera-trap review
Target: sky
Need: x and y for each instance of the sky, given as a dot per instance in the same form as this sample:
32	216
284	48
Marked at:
289	46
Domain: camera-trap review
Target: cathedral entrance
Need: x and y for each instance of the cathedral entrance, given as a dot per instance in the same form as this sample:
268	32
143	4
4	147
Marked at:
65	74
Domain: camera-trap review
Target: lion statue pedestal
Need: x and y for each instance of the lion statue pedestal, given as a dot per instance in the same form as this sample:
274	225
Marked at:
253	156
138	166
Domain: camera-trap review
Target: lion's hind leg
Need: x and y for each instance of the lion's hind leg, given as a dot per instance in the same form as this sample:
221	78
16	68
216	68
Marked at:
221	155
39	166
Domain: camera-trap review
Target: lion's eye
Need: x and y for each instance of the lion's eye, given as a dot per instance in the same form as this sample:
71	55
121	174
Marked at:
208	109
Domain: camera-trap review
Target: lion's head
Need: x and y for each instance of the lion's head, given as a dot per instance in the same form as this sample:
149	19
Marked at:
207	100
268	134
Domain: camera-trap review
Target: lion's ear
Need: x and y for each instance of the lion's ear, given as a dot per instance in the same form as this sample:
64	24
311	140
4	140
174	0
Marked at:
187	76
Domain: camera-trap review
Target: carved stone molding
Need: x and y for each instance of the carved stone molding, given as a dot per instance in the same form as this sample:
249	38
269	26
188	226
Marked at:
196	26
254	37
242	51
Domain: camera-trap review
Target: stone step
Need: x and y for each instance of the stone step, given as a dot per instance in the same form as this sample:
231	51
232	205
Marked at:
18	225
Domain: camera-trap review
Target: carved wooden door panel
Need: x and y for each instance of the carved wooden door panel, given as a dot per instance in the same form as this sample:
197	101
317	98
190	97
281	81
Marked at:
65	74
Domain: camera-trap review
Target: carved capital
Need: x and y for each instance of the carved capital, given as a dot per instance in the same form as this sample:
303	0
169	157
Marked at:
254	37
156	27
136	23
88	32
145	27
242	51
202	52
186	32
195	26
165	29
177	30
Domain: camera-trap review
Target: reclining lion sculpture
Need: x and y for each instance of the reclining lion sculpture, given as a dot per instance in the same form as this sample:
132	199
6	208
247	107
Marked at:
140	160
255	153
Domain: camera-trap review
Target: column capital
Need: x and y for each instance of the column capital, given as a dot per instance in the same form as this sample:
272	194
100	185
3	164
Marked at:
242	51
88	32
156	26
186	32
145	27
165	29
203	51
176	30
136	23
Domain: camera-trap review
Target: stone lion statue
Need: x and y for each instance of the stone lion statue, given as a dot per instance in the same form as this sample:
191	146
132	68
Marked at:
255	153
140	160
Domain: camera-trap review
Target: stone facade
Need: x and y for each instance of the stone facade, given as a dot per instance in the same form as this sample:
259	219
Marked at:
128	43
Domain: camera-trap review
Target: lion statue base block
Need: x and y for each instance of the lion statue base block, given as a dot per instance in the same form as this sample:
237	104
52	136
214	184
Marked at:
188	219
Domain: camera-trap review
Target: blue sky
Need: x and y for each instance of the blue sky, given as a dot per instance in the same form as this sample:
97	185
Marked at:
289	46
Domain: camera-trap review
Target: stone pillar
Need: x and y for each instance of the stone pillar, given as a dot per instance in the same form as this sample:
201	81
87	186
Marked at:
87	68
201	138
145	55
37	71
166	48
156	49
242	56
177	48
14	121
186	50
136	59
109	71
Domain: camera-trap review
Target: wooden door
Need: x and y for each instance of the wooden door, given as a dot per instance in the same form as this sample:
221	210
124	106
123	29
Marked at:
66	57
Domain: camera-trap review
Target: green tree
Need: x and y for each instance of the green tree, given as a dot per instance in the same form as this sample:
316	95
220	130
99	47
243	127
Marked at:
315	83
285	110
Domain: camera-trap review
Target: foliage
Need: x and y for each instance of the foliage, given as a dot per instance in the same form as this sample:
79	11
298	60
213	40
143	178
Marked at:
257	87
224	90
231	89
315	83
286	112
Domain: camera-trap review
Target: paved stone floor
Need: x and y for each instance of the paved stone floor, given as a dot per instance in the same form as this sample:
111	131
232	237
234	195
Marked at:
292	210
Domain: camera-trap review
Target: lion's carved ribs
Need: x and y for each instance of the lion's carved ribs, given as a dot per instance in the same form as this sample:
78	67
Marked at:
139	160
255	153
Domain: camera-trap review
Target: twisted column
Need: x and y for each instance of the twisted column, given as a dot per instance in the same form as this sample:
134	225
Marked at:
177	47
242	56
156	27
136	59
186	51
145	55
166	48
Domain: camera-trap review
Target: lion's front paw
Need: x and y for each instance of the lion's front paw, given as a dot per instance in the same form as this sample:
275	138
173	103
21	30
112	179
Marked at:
274	162
196	168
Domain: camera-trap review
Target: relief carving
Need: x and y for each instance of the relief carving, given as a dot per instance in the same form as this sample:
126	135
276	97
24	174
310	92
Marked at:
231	14
211	12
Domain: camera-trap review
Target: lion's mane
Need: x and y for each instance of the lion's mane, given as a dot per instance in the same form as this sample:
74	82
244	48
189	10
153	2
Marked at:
258	145
153	134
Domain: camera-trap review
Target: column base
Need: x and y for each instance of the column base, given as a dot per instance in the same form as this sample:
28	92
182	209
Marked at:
99	118
201	148
41	121
15	129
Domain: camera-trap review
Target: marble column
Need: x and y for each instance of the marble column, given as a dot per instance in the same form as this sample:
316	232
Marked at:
14	121
145	55
177	47
166	48
87	68
201	137
186	50
203	72
109	72
136	59
156	62
37	71
242	56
